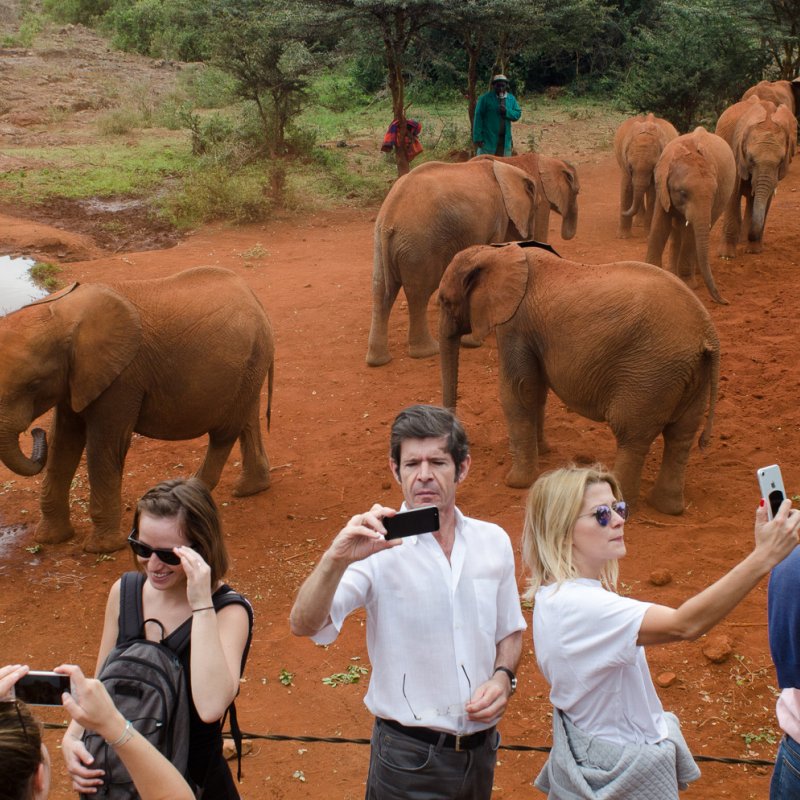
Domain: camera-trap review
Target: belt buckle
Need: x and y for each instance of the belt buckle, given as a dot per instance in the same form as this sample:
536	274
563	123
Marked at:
458	747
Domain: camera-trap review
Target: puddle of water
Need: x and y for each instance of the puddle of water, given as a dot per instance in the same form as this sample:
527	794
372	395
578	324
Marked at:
16	287
111	205
10	536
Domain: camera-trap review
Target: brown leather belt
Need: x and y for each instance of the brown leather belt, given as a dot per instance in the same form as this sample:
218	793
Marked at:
429	736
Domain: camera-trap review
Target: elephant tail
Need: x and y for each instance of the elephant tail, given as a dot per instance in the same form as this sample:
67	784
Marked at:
270	376
711	354
383	256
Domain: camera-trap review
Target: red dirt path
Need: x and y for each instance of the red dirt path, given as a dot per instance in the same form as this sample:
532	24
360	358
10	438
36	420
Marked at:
328	448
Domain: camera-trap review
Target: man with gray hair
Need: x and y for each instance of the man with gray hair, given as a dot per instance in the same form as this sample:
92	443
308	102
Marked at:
444	624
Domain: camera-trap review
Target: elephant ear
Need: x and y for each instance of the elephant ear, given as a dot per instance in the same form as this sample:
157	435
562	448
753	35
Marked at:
786	120
519	196
107	335
661	179
494	285
559	185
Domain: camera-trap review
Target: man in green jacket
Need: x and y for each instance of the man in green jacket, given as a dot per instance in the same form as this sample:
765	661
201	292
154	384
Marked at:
494	113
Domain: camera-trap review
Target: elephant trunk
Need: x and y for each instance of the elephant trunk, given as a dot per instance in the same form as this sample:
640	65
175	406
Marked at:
701	234
569	222
449	350
640	186
17	461
764	187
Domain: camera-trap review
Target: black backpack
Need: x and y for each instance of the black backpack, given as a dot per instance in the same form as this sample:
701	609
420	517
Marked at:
148	684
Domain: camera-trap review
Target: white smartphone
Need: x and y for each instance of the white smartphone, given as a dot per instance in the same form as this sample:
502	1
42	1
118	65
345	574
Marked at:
770	482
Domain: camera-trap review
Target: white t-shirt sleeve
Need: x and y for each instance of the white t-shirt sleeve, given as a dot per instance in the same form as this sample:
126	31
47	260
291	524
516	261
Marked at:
509	610
351	593
599	628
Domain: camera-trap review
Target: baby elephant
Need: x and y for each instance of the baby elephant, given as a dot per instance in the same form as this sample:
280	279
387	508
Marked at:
625	342
171	358
694	181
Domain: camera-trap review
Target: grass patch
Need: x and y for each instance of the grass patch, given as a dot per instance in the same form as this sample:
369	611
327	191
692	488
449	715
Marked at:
45	275
105	169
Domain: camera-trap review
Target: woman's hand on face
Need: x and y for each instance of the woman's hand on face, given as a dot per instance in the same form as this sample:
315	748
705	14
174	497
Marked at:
198	577
9	675
776	538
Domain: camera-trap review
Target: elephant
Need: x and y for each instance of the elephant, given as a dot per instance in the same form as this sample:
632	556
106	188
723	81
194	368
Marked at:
763	138
427	217
694	180
170	358
625	342
786	92
557	189
638	143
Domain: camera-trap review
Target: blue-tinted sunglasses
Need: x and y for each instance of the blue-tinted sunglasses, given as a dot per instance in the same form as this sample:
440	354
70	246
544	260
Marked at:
603	513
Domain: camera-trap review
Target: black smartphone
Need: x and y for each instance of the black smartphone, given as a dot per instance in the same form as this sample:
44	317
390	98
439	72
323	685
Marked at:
770	482
412	523
41	688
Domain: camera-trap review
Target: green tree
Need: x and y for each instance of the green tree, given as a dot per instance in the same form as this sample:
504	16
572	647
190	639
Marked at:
264	45
779	24
693	62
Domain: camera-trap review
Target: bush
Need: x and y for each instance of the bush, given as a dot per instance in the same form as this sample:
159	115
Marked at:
693	63
83	12
119	122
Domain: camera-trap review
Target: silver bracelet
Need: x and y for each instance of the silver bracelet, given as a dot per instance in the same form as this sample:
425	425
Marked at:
125	736
204	608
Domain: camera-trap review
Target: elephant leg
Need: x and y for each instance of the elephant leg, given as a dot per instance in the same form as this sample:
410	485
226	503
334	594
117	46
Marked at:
420	342
667	492
625	202
522	395
660	230
384	294
105	458
67	440
541	220
255	464
220	444
731	225
628	464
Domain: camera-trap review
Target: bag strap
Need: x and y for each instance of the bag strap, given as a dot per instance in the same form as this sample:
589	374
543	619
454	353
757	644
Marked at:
225	596
131	624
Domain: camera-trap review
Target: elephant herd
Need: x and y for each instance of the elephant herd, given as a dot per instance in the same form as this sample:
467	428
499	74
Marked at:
626	343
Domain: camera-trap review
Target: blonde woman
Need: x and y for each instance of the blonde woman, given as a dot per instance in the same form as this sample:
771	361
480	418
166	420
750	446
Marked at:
611	736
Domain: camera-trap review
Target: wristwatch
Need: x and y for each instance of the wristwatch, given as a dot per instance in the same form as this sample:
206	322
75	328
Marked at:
512	678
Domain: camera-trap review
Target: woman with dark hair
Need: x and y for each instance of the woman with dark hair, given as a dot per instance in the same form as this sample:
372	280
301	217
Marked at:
181	561
611	736
25	762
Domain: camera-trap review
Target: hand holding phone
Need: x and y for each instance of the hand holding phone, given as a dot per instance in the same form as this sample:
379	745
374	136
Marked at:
39	688
770	482
412	523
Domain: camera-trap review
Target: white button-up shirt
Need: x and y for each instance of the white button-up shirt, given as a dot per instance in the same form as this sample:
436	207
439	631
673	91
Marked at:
432	625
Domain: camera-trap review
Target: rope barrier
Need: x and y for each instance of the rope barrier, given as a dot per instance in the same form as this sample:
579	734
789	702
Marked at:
520	748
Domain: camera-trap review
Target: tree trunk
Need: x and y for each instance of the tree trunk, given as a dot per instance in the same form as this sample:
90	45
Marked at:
394	62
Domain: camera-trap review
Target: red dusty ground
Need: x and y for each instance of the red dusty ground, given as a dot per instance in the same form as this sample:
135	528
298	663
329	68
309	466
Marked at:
328	447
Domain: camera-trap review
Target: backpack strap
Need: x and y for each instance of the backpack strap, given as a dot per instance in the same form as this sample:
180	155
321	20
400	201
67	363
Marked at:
225	596
131	622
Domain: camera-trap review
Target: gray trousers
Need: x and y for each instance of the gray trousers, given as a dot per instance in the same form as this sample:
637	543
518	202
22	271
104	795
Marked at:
403	768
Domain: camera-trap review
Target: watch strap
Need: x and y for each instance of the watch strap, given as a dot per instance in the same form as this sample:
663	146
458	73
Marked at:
511	677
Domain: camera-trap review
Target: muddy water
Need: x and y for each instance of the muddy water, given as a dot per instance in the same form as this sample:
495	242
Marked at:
16	287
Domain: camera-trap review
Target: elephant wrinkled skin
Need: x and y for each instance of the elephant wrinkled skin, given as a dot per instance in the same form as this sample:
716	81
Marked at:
694	181
427	217
171	358
763	138
638	144
624	342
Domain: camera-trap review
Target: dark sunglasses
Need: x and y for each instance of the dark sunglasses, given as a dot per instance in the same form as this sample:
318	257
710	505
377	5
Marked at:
145	551
603	513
